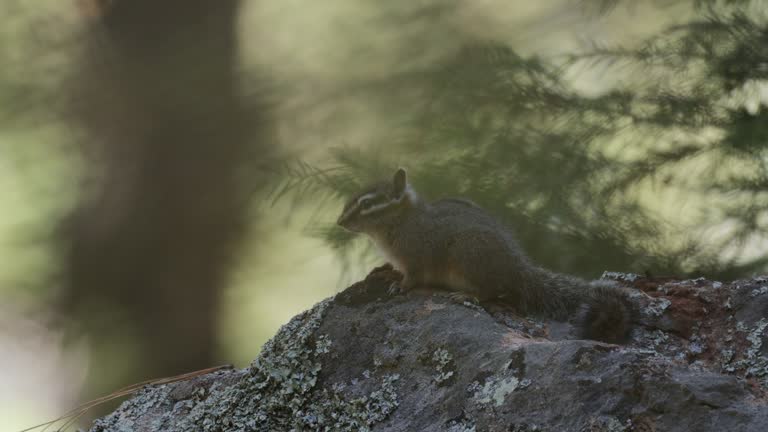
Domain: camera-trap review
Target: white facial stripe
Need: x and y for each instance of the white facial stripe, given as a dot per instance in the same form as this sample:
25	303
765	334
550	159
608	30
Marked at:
409	195
378	207
366	196
357	205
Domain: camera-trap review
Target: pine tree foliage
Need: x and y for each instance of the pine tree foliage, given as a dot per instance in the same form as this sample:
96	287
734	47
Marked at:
575	175
704	99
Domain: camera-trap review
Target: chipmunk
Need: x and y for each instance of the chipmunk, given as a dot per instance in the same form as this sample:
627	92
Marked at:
454	244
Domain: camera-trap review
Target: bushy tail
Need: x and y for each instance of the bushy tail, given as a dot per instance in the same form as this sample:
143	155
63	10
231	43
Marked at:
608	314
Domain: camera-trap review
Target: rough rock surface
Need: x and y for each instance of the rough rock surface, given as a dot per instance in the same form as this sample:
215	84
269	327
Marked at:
366	361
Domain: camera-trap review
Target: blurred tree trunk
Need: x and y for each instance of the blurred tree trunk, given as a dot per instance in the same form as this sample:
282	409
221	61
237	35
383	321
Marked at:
171	150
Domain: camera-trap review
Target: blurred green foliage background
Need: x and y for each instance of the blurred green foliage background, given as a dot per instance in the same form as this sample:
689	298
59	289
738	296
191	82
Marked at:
170	171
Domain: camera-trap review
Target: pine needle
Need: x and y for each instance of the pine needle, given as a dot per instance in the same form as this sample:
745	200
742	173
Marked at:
71	416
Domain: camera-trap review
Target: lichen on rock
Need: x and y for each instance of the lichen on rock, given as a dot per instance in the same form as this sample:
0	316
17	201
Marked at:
443	364
367	361
277	392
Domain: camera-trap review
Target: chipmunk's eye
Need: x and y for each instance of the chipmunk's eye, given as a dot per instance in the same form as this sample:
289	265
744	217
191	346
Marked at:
366	203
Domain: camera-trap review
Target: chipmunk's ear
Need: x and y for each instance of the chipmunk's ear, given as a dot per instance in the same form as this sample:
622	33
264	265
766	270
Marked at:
400	182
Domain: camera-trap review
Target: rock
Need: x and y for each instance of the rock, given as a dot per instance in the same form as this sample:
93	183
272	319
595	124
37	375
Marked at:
366	361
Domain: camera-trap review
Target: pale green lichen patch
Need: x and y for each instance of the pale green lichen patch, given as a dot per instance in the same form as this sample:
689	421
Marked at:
622	277
461	425
606	424
657	307
277	392
334	411
524	427
444	364
496	390
137	407
754	363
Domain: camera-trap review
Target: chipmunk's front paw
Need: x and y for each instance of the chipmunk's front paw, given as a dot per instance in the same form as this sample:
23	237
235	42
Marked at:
395	288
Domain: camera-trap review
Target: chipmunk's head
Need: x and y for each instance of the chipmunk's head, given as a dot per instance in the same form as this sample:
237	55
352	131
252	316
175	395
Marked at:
379	205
